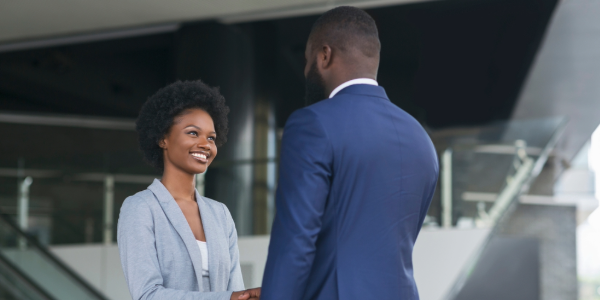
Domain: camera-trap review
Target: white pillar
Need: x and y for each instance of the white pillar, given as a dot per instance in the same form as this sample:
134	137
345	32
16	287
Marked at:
447	188
109	195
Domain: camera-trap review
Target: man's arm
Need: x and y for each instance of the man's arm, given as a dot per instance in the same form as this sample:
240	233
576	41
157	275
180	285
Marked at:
304	181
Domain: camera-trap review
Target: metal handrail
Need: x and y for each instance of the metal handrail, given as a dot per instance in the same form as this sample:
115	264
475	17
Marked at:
528	170
36	244
7	264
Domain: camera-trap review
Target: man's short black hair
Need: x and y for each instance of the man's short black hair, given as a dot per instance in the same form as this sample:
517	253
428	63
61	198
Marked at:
160	110
344	27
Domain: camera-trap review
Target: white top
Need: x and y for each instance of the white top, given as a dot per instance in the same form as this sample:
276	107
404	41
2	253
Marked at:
353	82
204	253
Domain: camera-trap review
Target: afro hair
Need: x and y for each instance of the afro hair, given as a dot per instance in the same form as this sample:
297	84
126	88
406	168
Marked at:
160	110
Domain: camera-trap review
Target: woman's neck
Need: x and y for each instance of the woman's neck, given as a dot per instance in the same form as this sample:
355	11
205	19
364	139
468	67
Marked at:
180	184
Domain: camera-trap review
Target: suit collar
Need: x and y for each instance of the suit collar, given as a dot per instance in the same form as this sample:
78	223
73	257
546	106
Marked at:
353	82
177	219
364	90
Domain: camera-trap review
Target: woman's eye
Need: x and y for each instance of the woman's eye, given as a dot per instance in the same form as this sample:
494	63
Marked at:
193	133
212	138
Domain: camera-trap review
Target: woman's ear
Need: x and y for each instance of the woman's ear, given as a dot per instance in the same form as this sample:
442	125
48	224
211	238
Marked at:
163	143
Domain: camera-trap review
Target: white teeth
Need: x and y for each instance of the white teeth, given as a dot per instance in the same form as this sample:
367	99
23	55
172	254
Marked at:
199	155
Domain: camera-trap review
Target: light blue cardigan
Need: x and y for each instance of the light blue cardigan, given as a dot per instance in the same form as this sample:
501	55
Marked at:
160	256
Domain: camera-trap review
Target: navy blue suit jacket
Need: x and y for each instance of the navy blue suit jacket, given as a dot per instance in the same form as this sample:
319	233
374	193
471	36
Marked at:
356	178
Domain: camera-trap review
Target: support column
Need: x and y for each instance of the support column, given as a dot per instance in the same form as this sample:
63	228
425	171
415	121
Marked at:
264	170
221	55
266	95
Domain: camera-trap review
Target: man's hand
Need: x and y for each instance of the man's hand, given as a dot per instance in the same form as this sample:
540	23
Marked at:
250	294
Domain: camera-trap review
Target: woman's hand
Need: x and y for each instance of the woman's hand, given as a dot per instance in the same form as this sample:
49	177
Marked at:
239	296
250	294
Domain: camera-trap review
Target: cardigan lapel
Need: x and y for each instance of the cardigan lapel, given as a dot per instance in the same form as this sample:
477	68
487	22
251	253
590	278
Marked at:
174	214
213	234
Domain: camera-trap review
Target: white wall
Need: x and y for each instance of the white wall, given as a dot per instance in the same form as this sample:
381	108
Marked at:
439	257
99	265
253	252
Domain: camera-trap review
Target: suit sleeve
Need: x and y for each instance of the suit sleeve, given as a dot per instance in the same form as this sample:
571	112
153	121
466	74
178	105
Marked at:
139	259
304	182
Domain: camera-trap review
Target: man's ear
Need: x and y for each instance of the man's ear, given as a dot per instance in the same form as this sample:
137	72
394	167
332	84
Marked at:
324	57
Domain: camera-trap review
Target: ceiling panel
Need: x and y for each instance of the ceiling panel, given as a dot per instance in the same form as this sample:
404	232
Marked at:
25	20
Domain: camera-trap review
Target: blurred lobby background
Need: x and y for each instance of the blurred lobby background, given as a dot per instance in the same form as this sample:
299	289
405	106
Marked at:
509	91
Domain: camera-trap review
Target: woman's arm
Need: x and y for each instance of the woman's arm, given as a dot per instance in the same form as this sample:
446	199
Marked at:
135	236
236	282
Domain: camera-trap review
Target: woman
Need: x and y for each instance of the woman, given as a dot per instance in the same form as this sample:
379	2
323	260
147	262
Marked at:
175	244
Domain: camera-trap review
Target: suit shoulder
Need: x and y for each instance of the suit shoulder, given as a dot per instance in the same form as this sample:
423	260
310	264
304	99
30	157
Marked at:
302	116
138	199
136	209
327	104
140	203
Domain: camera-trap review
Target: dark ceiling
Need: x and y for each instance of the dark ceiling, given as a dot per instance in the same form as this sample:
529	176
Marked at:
447	63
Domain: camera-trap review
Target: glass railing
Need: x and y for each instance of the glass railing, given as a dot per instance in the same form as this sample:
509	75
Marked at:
80	174
484	169
79	177
43	275
14	285
79	184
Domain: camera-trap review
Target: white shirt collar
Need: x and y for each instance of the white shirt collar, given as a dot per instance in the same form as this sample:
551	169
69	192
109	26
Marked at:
353	82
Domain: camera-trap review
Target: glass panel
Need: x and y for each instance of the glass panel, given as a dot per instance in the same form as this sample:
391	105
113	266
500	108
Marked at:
16	286
41	267
483	169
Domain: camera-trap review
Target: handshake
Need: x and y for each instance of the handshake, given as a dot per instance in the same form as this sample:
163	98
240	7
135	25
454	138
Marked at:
249	294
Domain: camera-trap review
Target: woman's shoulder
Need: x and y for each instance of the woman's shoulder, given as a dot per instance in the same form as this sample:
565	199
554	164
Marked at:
136	212
138	202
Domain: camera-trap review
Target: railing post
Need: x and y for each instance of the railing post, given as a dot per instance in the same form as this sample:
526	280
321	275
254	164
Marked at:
109	198
447	188
200	182
23	208
523	167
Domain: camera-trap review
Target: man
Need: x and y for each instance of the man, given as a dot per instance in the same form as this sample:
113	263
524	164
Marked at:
357	176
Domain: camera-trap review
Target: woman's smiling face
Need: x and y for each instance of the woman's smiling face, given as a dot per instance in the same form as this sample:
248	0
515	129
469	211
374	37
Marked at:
189	146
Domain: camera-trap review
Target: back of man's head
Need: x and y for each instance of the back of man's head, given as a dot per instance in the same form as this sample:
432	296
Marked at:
346	28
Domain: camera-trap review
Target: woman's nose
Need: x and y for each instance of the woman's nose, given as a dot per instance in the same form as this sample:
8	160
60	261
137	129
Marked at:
203	144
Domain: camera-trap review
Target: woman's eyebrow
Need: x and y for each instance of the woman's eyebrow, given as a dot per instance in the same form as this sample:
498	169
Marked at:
213	132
